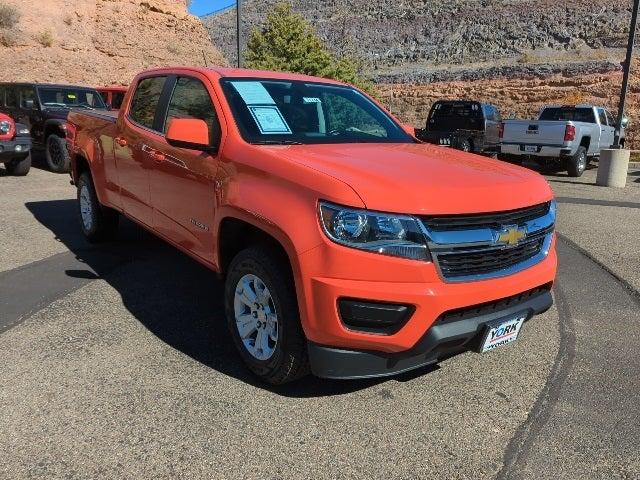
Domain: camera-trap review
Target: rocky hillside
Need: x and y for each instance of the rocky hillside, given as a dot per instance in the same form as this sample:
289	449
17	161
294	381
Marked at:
394	36
97	42
518	54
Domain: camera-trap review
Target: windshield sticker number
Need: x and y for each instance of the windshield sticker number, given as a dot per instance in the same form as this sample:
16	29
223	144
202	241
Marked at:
311	100
269	120
71	96
253	93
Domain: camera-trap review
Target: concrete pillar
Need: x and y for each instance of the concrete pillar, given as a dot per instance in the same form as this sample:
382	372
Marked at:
613	168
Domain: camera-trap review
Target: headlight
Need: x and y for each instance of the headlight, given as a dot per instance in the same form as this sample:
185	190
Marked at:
5	127
394	235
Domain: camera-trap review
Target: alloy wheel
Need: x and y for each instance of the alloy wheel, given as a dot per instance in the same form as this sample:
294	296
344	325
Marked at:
256	317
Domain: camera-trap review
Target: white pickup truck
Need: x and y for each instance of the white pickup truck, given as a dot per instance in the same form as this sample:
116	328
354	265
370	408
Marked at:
563	137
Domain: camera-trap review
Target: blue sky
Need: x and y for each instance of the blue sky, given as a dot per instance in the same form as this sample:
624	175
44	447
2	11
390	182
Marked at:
203	7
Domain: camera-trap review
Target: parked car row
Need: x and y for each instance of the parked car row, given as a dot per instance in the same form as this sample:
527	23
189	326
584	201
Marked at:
348	248
564	137
41	110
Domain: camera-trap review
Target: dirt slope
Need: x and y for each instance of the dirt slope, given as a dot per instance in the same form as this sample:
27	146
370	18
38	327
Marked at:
520	98
97	42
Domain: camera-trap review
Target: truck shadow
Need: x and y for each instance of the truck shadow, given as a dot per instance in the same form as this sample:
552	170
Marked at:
173	296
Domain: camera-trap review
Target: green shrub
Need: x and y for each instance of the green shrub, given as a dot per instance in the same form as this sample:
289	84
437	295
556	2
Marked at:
9	16
287	42
8	38
45	38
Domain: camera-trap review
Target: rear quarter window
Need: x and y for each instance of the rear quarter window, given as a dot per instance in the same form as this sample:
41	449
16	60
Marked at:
145	101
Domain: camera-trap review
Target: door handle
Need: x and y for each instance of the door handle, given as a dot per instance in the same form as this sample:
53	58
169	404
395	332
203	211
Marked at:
121	141
158	157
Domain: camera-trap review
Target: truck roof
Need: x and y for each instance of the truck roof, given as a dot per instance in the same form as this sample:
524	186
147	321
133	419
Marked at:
230	72
39	84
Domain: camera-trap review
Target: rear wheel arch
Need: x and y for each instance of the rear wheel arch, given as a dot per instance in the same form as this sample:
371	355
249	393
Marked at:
585	142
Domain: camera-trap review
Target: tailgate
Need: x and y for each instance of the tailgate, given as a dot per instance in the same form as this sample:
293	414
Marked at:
527	132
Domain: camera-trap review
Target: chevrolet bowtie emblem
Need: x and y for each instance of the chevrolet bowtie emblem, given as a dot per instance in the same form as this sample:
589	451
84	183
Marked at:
511	235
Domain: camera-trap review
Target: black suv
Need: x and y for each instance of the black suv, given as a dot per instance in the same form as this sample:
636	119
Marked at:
466	125
44	109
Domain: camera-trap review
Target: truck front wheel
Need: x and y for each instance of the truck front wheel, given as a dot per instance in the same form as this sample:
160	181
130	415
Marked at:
57	154
19	168
97	221
263	317
577	164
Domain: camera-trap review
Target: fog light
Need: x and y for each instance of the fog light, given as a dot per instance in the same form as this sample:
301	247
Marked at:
18	148
374	317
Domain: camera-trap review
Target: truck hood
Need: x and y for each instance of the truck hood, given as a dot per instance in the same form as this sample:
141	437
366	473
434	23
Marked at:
422	178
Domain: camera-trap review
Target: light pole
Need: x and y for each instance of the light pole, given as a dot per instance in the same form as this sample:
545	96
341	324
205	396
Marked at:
239	32
627	72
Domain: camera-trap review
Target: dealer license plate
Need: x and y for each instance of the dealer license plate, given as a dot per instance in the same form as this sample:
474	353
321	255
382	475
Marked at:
531	148
502	333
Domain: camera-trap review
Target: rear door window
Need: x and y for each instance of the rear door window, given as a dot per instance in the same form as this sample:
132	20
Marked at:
145	101
602	116
610	120
191	99
569	114
27	97
12	96
116	99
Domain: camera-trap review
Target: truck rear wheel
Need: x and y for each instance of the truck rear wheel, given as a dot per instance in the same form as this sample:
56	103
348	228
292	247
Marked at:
57	154
263	316
97	221
19	168
577	164
464	145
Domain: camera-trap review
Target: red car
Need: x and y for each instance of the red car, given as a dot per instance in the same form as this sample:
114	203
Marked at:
348	247
15	146
112	96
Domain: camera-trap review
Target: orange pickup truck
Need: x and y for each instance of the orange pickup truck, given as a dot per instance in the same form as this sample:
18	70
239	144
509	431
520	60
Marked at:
348	248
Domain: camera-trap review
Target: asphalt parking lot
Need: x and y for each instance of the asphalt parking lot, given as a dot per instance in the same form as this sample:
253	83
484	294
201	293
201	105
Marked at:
116	364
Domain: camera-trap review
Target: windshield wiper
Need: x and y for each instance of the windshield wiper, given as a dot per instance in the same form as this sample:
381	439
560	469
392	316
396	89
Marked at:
276	142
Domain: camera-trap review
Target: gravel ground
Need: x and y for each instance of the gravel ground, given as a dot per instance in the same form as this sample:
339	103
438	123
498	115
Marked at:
132	374
24	240
603	221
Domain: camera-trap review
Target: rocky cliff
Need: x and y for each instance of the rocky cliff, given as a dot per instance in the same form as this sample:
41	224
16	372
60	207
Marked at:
98	42
401	36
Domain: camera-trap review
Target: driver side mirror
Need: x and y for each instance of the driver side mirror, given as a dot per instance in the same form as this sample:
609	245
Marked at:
625	122
191	133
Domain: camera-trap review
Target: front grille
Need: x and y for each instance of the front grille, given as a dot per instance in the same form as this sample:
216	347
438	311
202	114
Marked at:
491	307
486	220
453	264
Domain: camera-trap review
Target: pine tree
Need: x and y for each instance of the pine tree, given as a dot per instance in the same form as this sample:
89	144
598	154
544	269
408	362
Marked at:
287	42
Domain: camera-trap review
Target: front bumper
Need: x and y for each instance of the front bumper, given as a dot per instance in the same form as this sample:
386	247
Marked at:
8	149
446	337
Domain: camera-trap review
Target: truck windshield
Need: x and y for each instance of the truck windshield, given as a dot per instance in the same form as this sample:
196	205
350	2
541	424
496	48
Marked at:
298	112
69	97
451	116
573	114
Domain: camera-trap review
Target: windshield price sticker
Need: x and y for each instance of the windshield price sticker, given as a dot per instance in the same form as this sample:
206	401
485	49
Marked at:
253	93
269	120
311	100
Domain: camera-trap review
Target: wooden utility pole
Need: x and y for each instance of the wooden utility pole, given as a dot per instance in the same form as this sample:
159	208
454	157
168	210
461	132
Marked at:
627	72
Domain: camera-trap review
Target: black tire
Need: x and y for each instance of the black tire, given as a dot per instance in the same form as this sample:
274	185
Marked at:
577	164
19	168
57	154
98	222
464	145
289	360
